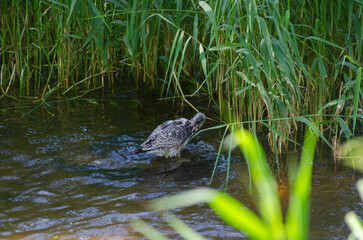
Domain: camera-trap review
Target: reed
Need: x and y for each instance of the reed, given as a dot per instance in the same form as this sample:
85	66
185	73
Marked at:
256	59
279	61
46	44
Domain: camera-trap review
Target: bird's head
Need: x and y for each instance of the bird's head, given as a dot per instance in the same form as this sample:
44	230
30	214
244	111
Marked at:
198	121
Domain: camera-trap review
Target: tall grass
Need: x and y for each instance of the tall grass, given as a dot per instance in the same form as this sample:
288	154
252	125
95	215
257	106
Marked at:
277	61
53	44
266	60
284	61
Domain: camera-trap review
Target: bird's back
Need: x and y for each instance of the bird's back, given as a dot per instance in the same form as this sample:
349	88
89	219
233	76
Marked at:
170	138
169	133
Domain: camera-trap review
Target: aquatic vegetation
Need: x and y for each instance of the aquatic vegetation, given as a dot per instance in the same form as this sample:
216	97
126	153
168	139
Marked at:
286	62
49	45
268	224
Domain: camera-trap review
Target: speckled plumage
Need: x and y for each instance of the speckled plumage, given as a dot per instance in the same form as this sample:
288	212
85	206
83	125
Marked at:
170	138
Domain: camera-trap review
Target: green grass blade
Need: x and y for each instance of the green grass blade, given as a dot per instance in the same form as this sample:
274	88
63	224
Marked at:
264	182
314	128
183	229
218	154
359	37
178	46
352	153
322	69
297	218
147	230
227	207
192	197
357	91
336	102
267	39
181	61
208	10
73	3
276	131
195	34
344	127
203	60
238	216
355	225
325	41
360	187
58	3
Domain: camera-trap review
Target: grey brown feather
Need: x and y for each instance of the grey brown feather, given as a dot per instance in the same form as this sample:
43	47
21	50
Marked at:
171	137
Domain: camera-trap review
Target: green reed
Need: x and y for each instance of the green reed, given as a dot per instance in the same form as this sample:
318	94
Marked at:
278	61
256	59
52	43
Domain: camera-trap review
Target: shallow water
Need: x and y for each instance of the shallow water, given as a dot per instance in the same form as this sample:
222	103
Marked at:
70	175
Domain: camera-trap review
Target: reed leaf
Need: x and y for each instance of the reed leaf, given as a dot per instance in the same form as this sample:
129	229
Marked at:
185	231
147	230
297	218
357	96
315	129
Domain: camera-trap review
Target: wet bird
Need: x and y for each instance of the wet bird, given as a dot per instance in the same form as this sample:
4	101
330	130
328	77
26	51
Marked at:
170	138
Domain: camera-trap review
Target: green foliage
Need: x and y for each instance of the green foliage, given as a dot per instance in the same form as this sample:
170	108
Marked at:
48	44
256	59
268	224
352	154
354	223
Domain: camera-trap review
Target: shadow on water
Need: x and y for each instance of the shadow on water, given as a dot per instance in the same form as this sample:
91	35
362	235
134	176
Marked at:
70	175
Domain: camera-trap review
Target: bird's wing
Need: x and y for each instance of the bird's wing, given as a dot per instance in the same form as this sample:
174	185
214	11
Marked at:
168	134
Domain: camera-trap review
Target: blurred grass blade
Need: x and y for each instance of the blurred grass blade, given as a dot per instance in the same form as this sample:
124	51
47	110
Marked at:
196	196
183	229
297	217
227	207
264	182
240	217
360	186
352	153
355	225
147	230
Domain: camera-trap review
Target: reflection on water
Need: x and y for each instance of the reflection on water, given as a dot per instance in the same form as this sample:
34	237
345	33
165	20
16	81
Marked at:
71	175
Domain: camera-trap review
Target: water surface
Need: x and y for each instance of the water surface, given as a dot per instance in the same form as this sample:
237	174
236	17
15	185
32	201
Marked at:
69	174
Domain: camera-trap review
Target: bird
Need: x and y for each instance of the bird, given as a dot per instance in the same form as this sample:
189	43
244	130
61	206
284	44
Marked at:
170	138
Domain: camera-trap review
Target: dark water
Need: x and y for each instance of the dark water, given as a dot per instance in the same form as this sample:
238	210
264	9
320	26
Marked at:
69	175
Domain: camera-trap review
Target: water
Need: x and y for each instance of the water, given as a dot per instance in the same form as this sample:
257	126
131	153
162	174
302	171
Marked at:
69	175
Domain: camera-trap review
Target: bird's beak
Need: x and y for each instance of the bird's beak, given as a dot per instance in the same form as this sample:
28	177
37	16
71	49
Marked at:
196	128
